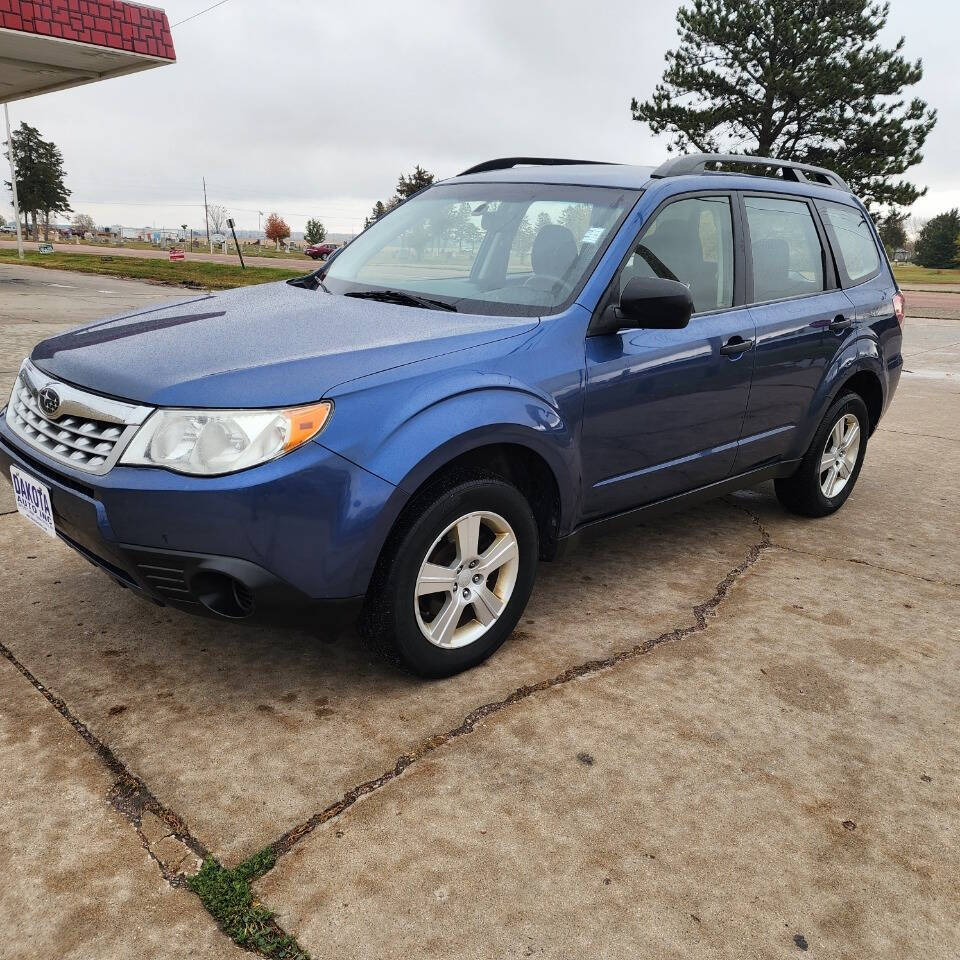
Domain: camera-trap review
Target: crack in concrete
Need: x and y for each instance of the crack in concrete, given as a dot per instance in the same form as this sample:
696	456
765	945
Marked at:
907	433
129	795
867	563
702	614
920	353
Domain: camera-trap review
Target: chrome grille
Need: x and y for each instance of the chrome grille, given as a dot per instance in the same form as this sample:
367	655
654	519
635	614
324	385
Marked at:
85	431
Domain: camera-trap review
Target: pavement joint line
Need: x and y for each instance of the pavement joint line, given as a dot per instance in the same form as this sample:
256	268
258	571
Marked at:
129	795
867	563
132	798
942	346
908	433
703	614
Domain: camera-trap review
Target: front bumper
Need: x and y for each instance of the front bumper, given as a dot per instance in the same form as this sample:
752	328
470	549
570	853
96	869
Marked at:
290	540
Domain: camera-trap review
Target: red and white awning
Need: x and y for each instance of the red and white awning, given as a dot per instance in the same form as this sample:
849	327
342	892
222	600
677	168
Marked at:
50	45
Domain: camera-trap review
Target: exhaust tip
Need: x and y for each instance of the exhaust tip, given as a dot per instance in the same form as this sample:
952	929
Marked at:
223	595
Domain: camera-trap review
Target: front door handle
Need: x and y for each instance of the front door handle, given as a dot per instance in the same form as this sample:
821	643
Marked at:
840	322
735	346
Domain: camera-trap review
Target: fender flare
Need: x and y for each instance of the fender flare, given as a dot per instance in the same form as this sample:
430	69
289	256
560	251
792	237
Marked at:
859	356
492	416
552	443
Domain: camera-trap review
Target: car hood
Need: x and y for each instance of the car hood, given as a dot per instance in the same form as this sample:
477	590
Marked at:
266	346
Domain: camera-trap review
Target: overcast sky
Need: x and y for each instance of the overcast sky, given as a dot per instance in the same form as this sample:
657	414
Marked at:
314	109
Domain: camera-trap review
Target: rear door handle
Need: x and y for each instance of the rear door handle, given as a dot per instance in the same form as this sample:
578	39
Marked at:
840	322
735	346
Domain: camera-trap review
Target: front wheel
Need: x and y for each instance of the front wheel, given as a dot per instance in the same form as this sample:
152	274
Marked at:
831	466
455	577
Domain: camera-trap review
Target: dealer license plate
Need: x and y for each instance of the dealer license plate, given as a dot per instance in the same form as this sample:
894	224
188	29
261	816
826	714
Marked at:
33	500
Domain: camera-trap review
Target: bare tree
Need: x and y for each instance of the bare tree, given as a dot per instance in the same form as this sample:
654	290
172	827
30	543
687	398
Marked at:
217	215
82	224
915	225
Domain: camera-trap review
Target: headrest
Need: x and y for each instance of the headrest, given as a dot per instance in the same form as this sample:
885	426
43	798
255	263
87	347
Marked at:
554	251
771	258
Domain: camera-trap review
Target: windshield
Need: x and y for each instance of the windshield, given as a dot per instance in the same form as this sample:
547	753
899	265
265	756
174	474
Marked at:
502	248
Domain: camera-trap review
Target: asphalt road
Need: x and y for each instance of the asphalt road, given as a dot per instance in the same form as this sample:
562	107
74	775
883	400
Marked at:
727	733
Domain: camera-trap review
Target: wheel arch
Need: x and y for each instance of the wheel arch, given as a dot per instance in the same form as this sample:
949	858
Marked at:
858	367
866	383
508	455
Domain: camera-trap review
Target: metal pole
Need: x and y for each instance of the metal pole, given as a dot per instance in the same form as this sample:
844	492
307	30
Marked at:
13	182
243	266
206	215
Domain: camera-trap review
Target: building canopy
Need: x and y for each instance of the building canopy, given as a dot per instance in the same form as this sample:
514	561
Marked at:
50	45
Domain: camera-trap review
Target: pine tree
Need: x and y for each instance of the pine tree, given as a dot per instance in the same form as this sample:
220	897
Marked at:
407	186
40	177
802	80
937	243
892	232
315	232
378	211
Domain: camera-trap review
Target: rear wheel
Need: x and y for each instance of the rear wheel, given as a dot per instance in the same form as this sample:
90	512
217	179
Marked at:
455	578
831	466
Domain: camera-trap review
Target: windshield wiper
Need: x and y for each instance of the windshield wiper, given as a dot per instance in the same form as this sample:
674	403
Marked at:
402	297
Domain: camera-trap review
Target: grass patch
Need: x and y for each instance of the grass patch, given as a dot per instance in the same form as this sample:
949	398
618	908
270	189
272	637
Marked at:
227	896
186	273
911	273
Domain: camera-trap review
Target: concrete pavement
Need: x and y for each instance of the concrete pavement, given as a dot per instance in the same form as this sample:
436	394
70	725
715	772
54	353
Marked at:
727	733
78	878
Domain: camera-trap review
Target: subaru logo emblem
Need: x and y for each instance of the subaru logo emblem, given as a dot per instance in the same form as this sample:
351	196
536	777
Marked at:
49	401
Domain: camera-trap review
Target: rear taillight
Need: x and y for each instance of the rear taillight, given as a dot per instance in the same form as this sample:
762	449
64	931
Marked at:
898	304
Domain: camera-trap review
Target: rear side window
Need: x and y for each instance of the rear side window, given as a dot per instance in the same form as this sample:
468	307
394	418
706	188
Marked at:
691	241
852	240
786	248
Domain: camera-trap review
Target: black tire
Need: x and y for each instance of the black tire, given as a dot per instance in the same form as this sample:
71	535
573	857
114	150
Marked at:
802	493
389	618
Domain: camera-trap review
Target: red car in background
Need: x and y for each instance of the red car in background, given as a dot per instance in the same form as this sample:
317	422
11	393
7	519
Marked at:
320	251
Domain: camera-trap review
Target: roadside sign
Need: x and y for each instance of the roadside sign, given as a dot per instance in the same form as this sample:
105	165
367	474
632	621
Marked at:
177	254
45	248
218	238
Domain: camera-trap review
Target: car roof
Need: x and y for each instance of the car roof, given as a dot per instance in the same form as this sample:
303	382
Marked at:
622	175
635	177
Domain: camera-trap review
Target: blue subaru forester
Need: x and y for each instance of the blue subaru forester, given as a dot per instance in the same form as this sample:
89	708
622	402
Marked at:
513	358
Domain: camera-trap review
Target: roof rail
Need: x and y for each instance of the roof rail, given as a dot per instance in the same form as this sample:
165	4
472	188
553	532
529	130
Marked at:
697	163
505	163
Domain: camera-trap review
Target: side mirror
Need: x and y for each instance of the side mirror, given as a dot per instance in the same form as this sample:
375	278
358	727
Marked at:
649	303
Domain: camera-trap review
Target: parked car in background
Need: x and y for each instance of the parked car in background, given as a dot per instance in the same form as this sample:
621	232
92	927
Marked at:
320	251
404	433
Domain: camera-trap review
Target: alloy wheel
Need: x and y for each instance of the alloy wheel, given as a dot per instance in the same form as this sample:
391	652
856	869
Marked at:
839	457
466	579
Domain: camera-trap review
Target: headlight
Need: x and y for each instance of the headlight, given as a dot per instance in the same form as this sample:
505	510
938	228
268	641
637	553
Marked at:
211	442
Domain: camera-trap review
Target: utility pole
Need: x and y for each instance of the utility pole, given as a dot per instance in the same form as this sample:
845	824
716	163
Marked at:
13	182
206	215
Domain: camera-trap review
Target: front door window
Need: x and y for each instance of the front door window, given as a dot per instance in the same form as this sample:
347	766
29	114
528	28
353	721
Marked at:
691	241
